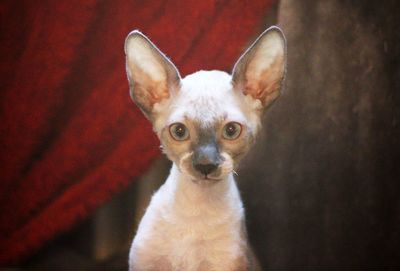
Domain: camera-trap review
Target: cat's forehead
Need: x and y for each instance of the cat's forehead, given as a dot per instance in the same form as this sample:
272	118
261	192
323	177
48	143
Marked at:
206	81
206	97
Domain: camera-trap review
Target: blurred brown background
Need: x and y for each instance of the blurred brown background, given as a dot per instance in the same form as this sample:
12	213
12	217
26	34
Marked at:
322	188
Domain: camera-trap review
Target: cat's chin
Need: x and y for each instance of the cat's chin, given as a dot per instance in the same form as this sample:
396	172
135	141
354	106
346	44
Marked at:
206	181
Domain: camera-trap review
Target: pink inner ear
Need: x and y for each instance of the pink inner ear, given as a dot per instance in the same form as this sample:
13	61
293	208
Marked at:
157	93
148	92
151	94
265	86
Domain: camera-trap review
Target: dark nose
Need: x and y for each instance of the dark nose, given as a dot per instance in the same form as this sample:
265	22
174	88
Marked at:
206	158
206	169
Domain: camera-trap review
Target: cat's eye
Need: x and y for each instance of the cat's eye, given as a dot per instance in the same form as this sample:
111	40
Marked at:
179	131
231	130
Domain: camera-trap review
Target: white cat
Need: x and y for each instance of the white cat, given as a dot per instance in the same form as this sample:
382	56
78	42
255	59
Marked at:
206	122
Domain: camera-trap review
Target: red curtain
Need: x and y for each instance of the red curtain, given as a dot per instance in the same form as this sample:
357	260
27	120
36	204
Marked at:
70	136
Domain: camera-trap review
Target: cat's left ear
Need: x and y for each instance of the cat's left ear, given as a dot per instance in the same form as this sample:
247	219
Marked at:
260	71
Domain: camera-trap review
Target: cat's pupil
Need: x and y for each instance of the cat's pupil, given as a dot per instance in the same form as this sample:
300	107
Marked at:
230	130
180	130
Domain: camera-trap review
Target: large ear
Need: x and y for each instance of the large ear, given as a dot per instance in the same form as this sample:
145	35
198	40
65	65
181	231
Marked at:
260	71
152	76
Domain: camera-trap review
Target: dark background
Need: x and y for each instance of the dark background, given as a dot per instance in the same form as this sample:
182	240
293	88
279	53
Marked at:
321	187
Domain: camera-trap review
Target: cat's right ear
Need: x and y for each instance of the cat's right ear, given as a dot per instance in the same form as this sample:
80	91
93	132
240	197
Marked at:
151	75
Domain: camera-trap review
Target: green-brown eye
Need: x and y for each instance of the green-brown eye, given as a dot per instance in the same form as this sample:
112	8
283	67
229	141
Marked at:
231	130
179	131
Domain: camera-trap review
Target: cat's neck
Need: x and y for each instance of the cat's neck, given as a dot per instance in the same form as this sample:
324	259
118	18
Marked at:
195	195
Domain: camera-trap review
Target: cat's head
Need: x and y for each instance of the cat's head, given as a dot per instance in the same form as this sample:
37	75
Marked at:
208	120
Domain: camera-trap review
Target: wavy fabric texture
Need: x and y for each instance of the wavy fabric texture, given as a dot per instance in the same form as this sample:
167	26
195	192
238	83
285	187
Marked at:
70	136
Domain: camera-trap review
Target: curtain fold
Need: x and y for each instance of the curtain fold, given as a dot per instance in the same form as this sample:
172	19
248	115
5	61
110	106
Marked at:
70	136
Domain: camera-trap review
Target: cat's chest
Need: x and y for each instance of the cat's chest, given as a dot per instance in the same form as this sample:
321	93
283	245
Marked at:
197	246
199	243
191	231
196	237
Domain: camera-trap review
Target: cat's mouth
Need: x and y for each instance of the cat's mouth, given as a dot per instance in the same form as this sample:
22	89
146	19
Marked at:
207	178
197	177
187	167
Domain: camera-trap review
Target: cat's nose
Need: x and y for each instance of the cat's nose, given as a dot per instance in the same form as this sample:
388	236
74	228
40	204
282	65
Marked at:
206	159
206	169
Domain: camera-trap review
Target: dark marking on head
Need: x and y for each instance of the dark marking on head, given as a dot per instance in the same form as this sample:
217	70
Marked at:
206	155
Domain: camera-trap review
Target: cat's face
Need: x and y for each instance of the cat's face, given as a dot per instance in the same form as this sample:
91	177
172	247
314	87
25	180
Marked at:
207	126
207	121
